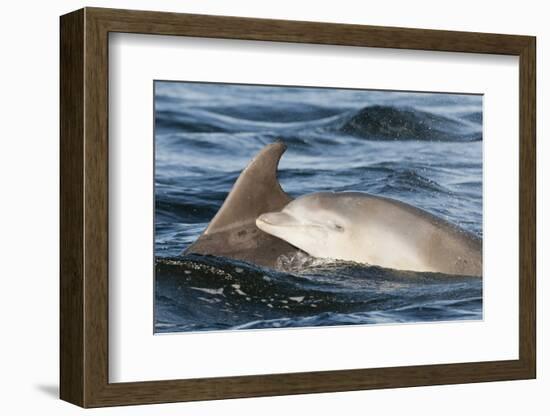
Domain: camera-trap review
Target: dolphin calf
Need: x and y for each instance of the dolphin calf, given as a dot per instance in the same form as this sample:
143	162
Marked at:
232	232
374	230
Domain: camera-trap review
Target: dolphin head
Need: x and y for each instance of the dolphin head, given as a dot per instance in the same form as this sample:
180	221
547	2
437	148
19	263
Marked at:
314	223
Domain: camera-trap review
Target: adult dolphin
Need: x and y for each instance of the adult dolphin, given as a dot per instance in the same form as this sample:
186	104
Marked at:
232	232
374	230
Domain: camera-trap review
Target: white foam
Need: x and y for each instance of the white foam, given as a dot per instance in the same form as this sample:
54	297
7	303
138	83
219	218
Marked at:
210	291
237	288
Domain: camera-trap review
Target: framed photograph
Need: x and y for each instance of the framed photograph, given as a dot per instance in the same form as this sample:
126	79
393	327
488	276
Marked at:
255	207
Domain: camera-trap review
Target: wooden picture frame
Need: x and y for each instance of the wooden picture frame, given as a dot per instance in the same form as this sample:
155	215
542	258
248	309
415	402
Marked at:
84	207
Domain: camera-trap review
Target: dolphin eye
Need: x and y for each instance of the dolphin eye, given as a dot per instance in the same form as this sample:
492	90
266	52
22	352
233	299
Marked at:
336	227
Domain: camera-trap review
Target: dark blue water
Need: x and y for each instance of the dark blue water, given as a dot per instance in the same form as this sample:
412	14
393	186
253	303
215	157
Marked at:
423	149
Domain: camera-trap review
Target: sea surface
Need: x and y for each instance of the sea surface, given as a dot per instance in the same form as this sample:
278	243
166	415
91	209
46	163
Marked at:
421	148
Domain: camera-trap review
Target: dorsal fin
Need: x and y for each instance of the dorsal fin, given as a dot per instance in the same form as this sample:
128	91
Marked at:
233	232
256	191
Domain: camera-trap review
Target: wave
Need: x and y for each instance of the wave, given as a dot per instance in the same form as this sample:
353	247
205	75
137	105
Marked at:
377	122
393	123
183	122
287	112
239	120
410	181
196	292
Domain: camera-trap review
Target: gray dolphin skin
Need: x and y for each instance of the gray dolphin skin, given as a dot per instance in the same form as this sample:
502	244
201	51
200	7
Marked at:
258	223
375	230
232	232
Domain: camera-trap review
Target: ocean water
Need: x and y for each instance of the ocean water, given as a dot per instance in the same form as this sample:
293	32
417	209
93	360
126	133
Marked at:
421	148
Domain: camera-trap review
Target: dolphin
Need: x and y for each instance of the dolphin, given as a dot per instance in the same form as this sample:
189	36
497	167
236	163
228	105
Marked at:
232	232
375	230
